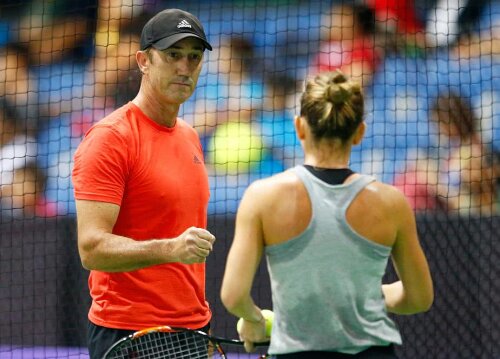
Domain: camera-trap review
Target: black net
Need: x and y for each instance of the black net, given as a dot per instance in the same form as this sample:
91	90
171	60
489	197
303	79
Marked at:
430	72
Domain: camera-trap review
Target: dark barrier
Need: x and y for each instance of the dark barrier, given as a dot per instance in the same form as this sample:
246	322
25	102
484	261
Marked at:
464	256
43	288
44	296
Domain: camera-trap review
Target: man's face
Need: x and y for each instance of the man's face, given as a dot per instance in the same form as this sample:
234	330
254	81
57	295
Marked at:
173	73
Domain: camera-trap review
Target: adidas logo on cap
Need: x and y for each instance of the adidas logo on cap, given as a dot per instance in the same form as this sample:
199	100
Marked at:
169	26
183	23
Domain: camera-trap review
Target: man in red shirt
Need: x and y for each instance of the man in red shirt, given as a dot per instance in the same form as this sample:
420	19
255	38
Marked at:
142	192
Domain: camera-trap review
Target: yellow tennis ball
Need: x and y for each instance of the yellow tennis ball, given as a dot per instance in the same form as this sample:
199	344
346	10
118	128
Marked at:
235	147
269	318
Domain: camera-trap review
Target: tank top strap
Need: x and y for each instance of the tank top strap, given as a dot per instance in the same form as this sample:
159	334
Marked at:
343	193
357	186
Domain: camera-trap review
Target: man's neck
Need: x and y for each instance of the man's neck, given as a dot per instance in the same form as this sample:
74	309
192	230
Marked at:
161	113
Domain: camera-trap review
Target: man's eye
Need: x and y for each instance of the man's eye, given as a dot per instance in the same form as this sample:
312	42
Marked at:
195	57
173	55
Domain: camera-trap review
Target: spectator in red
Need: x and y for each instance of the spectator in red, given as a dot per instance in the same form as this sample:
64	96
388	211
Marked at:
460	178
349	43
398	21
402	13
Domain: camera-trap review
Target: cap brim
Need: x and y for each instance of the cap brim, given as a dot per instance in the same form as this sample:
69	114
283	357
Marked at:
168	41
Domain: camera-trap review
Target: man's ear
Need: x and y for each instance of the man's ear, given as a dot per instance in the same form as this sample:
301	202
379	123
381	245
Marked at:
142	61
359	134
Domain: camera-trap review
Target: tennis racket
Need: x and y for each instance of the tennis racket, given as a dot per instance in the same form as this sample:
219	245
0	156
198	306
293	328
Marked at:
166	342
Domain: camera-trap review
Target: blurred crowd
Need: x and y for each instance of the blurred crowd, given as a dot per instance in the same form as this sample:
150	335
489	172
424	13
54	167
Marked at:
430	74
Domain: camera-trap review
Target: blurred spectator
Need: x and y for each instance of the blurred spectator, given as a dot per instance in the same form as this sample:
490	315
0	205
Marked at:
23	197
225	103
112	17
276	119
58	36
462	177
227	108
477	44
17	146
267	138
21	183
399	25
229	90
109	79
419	182
54	31
349	42
401	15
449	19
17	84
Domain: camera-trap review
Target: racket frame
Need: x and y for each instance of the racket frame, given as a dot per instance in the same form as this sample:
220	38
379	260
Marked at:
214	340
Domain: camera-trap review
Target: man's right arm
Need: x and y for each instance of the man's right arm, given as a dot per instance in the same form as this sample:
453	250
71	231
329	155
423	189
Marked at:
102	250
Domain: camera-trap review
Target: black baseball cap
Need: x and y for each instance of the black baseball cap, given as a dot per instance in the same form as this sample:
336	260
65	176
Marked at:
169	26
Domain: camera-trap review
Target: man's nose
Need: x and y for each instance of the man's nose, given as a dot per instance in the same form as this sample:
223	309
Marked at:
183	66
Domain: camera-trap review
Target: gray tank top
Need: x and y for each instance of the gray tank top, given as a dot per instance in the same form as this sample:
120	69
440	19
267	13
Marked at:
326	282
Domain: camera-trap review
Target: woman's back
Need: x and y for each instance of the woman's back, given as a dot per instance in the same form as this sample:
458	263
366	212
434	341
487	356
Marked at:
330	275
286	209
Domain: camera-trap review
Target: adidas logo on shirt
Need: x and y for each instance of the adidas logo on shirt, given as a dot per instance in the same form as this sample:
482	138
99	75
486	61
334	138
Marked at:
196	160
183	23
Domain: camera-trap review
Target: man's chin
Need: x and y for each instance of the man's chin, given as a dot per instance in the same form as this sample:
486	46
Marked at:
181	92
179	100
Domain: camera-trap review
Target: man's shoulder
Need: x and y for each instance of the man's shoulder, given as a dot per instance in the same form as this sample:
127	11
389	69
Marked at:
186	127
117	116
184	124
117	121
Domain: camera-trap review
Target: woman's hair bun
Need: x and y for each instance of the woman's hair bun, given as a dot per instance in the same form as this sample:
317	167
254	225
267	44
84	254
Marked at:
338	90
338	94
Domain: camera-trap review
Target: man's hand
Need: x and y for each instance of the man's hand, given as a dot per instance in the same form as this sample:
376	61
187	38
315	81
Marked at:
193	246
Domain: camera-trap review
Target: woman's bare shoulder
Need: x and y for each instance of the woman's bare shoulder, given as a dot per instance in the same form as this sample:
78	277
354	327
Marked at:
386	194
277	188
282	181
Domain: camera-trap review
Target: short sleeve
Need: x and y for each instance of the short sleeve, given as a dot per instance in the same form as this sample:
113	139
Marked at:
101	166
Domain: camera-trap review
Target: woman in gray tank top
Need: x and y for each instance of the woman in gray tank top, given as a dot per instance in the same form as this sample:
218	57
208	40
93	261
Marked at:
327	234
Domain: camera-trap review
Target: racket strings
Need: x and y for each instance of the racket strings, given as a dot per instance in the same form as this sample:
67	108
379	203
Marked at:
160	345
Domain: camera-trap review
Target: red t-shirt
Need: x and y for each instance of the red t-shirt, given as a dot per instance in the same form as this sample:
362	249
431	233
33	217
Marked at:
415	187
336	54
158	178
401	12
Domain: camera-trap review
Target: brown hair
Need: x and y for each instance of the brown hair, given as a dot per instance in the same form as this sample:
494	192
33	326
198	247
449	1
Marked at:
451	109
333	106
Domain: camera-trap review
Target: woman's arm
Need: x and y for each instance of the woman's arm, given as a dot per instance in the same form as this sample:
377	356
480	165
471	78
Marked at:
414	292
242	263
